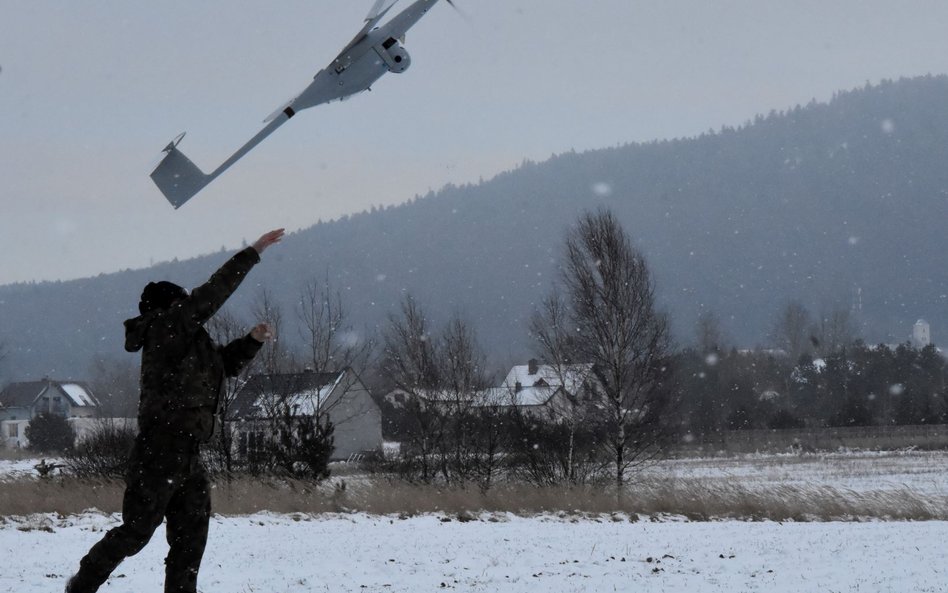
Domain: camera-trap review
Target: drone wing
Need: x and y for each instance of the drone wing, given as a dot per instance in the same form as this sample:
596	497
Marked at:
378	11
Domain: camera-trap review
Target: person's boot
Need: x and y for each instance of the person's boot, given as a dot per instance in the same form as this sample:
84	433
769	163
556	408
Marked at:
74	586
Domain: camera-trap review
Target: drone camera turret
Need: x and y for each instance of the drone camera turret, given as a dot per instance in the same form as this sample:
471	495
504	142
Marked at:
395	56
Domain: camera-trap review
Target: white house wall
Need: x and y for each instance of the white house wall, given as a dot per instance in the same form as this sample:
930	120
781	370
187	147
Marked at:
358	423
11	440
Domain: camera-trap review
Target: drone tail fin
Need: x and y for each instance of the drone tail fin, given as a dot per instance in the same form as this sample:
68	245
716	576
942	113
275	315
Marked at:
177	177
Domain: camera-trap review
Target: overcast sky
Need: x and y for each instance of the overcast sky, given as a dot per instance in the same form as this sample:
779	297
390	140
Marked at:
91	91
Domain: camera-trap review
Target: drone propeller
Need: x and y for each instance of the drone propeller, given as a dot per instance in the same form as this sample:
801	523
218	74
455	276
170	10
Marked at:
458	10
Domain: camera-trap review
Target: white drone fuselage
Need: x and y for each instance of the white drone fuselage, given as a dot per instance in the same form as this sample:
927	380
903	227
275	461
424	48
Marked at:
372	53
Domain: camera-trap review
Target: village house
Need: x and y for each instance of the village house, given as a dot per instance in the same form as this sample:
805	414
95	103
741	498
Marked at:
540	390
547	391
340	397
23	401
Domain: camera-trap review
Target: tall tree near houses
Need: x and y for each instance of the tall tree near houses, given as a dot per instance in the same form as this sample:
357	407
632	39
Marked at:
273	357
836	330
331	342
552	331
618	328
472	447
410	361
793	331
443	375
709	335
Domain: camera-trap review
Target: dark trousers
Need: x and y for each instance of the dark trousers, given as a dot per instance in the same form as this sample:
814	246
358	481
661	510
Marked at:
160	484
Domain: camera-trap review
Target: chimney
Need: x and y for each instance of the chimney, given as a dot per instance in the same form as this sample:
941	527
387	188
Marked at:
532	366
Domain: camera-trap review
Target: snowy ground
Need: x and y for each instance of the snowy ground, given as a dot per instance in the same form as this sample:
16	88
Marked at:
923	472
505	553
297	554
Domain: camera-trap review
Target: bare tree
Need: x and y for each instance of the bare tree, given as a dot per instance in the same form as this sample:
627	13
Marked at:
793	331
472	429
617	328
331	342
273	357
411	364
410	359
834	332
453	433
115	383
551	328
710	337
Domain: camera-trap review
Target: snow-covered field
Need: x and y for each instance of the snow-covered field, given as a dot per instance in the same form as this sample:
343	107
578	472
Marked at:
500	553
558	553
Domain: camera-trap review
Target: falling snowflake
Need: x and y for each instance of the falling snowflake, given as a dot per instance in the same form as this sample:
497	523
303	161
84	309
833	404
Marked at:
888	126
602	189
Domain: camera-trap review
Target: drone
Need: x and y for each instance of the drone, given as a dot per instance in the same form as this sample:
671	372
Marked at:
374	51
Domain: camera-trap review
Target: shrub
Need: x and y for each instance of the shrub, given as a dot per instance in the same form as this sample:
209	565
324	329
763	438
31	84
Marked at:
103	454
48	433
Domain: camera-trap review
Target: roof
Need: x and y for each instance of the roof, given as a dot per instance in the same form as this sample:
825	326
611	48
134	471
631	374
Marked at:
25	393
79	394
571	378
527	396
305	392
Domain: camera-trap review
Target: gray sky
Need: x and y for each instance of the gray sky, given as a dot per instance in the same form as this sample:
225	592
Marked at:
91	91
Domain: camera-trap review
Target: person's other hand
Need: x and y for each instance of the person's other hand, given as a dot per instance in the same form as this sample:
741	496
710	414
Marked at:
262	333
267	240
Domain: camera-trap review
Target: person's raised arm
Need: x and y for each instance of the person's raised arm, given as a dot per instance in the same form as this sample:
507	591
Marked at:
206	299
267	240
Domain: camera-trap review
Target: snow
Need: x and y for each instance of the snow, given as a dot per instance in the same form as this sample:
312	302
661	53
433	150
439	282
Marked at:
572	381
564	552
500	553
20	468
78	395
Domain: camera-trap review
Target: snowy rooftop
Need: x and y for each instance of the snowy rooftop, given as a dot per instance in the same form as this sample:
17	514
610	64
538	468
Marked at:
570	377
305	393
78	394
25	394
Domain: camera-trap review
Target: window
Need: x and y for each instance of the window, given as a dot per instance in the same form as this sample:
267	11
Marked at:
13	431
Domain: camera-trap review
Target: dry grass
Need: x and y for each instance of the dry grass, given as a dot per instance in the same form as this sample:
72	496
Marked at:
58	495
691	498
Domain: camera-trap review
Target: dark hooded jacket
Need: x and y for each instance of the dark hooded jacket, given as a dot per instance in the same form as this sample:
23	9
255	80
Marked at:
183	370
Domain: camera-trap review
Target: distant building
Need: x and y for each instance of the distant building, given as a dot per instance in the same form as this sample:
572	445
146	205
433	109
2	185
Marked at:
542	391
921	334
339	396
23	401
545	390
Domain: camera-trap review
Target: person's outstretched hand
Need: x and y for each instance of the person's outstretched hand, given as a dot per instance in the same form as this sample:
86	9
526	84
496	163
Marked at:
267	240
262	333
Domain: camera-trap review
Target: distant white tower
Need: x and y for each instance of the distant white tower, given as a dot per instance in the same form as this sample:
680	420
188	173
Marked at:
921	334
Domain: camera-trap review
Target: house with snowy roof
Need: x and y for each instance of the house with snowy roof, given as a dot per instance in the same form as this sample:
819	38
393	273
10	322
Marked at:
541	390
552	391
21	402
340	397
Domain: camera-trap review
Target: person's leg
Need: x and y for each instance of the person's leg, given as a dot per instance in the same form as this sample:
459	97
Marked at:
189	512
143	508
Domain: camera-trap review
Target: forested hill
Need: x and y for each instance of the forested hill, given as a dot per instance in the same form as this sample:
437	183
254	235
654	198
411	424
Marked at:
817	204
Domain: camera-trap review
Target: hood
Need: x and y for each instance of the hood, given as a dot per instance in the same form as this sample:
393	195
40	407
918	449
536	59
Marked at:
135	329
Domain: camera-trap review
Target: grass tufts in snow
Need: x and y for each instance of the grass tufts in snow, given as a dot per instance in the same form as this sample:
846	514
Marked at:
696	499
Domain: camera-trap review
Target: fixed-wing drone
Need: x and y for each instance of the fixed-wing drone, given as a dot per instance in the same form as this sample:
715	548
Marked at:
371	53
